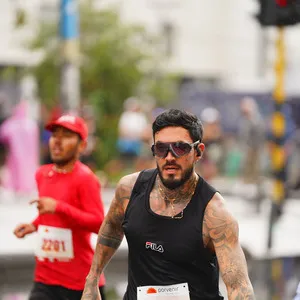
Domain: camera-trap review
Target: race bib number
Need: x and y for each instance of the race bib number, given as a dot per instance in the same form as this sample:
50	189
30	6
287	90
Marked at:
54	243
164	292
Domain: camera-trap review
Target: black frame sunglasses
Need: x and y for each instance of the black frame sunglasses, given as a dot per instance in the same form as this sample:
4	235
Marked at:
178	149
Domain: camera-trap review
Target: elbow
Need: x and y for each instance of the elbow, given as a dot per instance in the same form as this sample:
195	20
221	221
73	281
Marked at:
96	222
99	222
95	230
96	227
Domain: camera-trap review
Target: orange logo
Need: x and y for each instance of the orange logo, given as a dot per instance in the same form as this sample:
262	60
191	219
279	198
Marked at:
46	230
151	291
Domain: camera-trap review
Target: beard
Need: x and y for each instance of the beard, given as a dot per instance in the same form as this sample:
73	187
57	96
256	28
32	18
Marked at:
63	161
172	183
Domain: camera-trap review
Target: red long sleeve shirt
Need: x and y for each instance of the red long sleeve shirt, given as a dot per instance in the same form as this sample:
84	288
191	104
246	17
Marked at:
80	209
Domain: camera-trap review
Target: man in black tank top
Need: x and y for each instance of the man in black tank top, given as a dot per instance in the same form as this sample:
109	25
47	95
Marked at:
178	230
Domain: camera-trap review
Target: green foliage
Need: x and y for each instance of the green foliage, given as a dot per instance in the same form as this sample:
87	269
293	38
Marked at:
115	61
8	73
21	18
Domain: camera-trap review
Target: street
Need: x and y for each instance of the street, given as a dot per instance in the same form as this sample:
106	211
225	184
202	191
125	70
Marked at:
16	255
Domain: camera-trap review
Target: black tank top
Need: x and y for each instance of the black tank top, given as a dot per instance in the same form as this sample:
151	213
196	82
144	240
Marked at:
166	251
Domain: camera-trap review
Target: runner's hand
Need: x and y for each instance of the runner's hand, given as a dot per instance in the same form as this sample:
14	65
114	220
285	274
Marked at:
24	229
45	205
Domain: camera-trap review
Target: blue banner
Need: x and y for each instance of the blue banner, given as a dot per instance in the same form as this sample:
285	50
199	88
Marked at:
69	27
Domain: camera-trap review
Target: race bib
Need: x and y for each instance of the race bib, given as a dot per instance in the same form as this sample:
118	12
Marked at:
54	243
164	292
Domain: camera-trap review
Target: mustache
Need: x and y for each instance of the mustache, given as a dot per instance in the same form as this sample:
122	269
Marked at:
56	147
169	164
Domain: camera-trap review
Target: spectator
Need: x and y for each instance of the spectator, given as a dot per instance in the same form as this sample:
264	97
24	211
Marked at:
252	140
46	117
87	156
19	133
213	139
132	126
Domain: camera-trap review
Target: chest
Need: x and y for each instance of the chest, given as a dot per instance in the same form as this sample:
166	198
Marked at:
59	188
151	234
162	207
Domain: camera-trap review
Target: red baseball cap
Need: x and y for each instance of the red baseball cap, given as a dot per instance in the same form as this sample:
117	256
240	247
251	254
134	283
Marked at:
73	123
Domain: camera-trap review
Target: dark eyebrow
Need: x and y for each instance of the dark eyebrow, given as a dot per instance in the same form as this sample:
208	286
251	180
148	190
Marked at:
173	142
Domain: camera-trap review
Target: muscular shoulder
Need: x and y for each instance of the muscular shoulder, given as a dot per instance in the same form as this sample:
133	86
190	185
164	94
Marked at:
217	207
127	183
125	187
219	225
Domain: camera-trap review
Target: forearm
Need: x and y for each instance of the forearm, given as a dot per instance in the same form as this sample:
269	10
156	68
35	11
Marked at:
109	238
223	230
80	219
105	249
236	279
91	290
243	292
36	222
235	276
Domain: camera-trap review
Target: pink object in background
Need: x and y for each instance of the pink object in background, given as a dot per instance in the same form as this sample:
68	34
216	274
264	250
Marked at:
17	296
21	135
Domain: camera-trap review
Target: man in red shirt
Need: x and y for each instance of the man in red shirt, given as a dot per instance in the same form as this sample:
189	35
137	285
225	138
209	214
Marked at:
70	209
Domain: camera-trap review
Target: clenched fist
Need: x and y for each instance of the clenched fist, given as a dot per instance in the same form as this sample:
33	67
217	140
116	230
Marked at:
24	229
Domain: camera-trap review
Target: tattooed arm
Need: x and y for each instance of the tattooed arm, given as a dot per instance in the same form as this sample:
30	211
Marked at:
109	237
222	230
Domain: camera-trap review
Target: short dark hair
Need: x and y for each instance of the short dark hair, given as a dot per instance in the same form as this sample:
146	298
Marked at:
179	118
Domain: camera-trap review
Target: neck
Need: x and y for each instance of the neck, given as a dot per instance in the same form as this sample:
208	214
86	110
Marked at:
180	194
65	168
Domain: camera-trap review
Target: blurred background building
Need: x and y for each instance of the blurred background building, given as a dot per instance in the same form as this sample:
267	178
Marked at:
218	44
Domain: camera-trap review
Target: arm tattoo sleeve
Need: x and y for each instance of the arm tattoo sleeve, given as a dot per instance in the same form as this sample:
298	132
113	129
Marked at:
109	237
222	229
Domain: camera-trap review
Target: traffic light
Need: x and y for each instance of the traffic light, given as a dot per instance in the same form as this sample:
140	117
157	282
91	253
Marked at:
279	12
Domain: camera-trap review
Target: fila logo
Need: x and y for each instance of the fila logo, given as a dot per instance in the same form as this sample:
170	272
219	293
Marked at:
154	247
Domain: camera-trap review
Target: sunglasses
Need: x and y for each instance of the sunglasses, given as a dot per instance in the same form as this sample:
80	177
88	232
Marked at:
178	149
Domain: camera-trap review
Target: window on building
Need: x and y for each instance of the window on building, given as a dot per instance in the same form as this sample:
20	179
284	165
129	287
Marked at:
168	33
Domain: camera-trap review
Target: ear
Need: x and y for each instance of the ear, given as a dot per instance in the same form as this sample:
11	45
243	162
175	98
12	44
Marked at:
82	146
200	149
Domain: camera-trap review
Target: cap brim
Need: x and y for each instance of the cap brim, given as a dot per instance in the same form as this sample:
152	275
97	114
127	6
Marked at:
70	127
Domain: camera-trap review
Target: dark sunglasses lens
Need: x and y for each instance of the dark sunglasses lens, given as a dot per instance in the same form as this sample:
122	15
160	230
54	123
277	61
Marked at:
181	149
161	149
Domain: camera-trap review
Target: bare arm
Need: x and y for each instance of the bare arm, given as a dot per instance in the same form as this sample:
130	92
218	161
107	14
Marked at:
222	229
109	237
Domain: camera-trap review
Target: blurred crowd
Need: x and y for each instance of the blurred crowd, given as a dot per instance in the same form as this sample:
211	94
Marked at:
244	154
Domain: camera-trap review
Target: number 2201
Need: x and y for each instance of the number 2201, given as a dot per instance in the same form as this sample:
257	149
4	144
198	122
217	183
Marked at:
53	245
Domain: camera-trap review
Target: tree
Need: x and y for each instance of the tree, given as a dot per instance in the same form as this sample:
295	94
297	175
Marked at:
117	61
